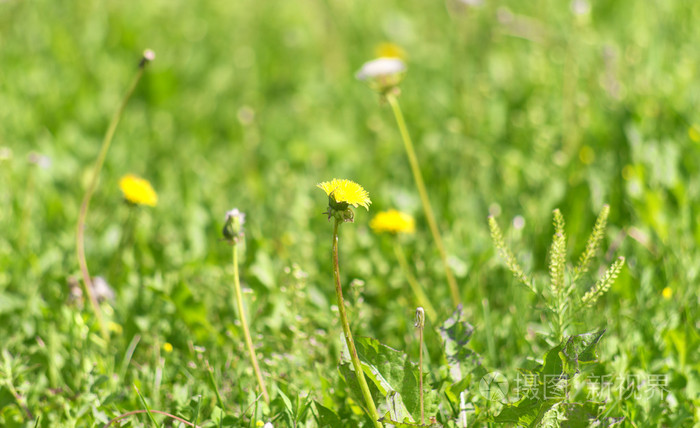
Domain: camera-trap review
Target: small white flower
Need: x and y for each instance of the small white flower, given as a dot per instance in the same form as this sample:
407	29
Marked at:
268	425
380	67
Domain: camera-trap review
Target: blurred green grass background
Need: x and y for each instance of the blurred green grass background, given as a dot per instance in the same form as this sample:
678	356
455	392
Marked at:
515	108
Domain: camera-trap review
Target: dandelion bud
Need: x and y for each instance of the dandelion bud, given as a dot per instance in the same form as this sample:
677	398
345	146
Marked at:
233	229
420	318
382	74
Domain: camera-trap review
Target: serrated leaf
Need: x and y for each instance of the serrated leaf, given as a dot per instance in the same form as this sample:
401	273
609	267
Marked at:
580	349
389	370
528	411
456	333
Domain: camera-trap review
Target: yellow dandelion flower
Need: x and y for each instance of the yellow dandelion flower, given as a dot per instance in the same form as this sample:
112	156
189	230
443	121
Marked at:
393	221
346	192
694	133
138	191
667	293
389	50
168	347
260	424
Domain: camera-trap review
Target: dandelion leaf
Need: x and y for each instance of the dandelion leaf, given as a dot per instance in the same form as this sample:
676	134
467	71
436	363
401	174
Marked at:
326	416
392	375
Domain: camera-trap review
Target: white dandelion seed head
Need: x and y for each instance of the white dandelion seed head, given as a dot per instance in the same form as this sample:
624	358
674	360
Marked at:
380	67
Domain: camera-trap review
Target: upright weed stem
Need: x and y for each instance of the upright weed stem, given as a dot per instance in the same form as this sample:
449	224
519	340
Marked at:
413	283
244	324
371	408
418	178
80	235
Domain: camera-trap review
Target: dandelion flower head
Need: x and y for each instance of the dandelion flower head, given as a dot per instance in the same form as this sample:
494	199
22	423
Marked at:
393	221
138	191
235	213
389	50
381	68
346	191
667	293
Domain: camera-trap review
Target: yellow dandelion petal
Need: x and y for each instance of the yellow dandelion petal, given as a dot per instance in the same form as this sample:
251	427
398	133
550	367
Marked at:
389	50
667	293
137	190
393	221
346	191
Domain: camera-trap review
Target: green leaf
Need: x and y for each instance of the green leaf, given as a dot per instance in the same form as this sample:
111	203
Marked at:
391	372
561	362
387	419
456	333
580	349
583	415
326	416
528	411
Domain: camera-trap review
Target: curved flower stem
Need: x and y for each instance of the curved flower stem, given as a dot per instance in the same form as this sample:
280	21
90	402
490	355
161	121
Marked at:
371	408
244	324
418	178
80	235
417	289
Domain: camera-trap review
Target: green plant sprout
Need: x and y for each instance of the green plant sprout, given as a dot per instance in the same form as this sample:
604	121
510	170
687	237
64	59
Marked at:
562	298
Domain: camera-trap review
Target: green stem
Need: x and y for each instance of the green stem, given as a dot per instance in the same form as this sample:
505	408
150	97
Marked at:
372	409
418	178
244	324
420	372
417	289
80	235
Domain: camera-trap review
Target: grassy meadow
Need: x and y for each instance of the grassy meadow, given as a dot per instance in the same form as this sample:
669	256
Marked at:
515	109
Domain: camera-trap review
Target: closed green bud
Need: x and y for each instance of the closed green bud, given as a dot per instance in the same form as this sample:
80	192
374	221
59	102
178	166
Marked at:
233	229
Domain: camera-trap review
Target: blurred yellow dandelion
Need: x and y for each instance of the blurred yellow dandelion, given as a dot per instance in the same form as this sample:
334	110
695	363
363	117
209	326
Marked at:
667	293
260	424
587	155
138	191
694	133
389	50
167	347
346	191
393	221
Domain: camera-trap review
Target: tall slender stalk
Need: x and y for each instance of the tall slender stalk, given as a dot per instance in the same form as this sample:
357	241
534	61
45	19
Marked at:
371	408
244	324
80	234
418	178
415	286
